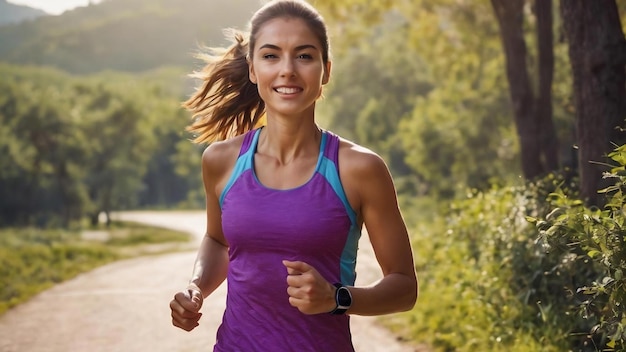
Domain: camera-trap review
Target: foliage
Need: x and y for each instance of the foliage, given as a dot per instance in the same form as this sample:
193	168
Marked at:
461	122
77	147
32	260
367	100
487	283
423	83
595	237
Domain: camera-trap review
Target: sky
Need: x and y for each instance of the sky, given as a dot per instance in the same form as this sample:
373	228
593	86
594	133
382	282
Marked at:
53	7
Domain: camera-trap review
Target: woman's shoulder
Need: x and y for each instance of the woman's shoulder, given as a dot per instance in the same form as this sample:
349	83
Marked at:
362	171
358	158
222	155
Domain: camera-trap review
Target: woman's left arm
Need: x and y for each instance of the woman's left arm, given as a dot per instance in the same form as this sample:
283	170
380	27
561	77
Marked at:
369	184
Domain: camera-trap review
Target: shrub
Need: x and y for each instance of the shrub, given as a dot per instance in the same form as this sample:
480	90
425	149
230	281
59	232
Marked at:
594	240
488	283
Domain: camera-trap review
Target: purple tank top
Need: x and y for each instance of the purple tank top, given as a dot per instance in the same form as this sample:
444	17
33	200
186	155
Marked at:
313	223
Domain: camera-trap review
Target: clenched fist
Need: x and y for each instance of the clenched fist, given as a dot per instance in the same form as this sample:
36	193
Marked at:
308	290
186	308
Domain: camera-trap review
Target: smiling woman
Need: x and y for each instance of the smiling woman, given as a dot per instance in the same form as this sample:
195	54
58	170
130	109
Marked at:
54	7
286	202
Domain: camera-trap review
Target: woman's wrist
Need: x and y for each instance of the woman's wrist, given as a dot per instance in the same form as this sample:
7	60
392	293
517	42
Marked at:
194	285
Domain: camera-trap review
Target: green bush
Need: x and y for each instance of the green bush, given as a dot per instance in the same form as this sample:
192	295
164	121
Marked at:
594	238
488	283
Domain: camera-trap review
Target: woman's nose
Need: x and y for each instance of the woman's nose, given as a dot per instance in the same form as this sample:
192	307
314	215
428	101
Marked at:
287	68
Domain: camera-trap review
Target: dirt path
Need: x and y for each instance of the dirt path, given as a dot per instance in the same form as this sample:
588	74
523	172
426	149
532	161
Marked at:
124	306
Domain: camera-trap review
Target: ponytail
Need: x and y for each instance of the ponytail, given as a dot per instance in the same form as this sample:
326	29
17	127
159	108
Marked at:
228	103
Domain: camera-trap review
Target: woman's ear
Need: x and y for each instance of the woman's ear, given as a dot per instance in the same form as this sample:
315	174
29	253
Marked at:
251	74
326	77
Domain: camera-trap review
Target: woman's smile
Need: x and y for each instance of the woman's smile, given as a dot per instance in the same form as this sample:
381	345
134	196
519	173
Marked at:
288	90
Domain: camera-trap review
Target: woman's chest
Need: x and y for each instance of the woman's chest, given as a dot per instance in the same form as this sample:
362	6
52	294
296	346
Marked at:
309	218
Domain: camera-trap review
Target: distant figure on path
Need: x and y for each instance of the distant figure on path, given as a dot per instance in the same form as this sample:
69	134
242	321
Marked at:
286	199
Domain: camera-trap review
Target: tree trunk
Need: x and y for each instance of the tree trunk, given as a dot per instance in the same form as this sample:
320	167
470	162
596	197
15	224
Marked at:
543	107
597	56
533	117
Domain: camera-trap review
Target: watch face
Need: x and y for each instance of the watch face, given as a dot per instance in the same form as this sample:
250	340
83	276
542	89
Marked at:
344	298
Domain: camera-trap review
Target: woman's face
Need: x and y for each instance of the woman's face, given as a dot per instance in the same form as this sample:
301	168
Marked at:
287	66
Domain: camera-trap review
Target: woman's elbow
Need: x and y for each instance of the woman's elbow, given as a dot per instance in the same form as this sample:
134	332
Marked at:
412	293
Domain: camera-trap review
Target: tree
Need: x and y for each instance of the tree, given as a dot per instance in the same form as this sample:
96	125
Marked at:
532	113
75	147
43	152
121	143
597	53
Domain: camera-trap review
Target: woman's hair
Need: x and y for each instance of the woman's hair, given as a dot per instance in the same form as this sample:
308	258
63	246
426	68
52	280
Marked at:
228	103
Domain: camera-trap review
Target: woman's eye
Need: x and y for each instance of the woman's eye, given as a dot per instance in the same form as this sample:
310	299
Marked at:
269	56
305	56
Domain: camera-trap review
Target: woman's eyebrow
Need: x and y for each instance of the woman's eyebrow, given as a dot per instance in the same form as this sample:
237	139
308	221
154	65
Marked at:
298	48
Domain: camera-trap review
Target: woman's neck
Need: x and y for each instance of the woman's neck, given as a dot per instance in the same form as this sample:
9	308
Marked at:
285	140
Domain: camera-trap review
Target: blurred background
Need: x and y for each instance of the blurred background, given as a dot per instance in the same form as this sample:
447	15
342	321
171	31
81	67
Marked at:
501	121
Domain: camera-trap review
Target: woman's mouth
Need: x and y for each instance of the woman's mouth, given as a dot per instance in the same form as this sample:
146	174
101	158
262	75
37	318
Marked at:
287	90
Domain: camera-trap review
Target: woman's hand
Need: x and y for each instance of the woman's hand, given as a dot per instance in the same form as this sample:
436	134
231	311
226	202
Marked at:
186	308
308	290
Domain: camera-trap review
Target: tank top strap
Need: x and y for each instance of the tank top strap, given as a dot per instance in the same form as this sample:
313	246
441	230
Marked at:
331	150
248	139
244	160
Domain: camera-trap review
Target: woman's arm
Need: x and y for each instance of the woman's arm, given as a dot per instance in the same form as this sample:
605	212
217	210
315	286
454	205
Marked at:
370	189
211	264
212	261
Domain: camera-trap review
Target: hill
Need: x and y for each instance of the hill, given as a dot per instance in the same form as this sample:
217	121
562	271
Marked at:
123	35
11	13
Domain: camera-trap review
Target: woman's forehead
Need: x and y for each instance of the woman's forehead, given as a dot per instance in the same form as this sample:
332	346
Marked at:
286	32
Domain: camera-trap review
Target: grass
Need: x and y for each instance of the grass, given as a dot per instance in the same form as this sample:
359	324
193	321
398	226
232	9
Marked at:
32	260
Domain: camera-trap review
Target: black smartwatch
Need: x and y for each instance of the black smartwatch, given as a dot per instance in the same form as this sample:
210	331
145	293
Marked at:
343	298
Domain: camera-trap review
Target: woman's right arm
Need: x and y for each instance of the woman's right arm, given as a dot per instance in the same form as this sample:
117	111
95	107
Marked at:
211	263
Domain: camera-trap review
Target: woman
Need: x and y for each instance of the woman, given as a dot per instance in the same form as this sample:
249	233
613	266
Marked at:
286	202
